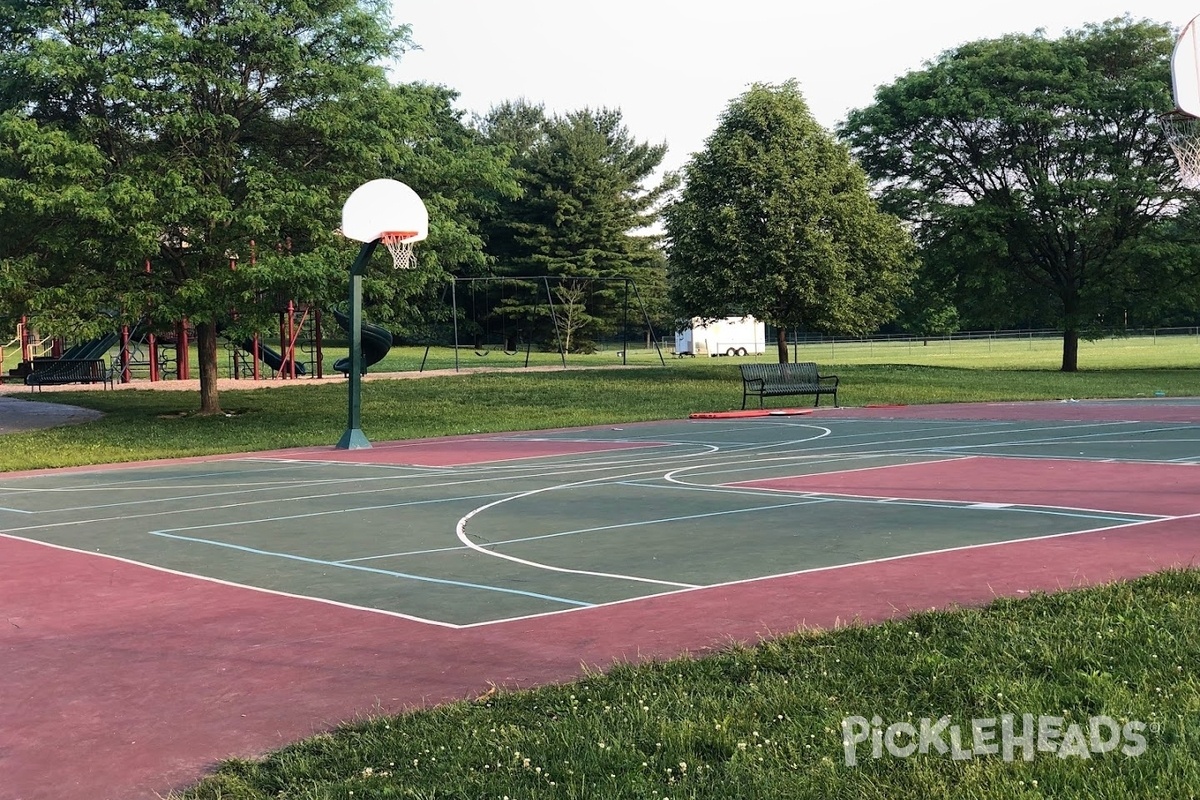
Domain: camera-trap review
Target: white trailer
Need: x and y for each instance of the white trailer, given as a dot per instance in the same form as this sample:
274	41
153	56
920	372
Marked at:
732	336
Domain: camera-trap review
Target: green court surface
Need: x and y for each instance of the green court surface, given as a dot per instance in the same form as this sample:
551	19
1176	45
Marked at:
474	530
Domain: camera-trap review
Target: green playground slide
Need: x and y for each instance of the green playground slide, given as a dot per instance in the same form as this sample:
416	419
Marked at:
376	342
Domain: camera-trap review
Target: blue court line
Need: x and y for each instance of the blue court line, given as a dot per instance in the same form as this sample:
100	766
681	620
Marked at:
387	572
15	510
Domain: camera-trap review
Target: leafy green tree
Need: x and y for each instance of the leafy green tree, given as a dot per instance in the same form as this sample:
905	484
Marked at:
929	311
1029	165
589	196
775	221
180	131
1164	262
461	178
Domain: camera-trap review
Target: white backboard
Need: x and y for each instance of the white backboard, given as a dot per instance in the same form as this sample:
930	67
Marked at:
1185	70
384	206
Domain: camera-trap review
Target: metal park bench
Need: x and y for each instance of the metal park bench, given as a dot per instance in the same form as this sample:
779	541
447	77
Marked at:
776	380
69	370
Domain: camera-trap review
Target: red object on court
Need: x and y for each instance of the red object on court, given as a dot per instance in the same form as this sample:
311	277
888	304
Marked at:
752	412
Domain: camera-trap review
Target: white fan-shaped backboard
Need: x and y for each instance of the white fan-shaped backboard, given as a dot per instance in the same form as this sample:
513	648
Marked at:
384	206
1185	70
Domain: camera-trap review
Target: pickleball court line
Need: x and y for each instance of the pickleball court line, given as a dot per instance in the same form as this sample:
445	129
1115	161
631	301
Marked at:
232	584
601	605
916	502
594	480
484	478
460	528
374	570
838	567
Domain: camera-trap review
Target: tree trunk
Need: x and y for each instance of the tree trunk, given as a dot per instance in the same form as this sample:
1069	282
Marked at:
1070	357
206	351
781	341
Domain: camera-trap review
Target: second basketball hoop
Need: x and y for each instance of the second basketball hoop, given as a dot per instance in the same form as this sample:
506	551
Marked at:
1182	126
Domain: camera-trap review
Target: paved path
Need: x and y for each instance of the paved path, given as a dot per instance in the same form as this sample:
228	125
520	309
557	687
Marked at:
26	415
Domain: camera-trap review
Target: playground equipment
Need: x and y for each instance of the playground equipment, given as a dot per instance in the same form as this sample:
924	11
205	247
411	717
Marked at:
38	354
376	343
29	345
300	346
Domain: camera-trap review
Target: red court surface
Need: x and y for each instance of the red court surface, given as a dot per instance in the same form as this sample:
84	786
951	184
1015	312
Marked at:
124	682
156	676
1115	486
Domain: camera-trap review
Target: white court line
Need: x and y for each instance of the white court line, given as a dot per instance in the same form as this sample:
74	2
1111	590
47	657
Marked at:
731	448
967	435
15	489
460	529
933	502
835	568
233	584
597	606
321	562
178	497
852	499
1082	438
303	498
658	521
327	513
751	462
927	462
747	447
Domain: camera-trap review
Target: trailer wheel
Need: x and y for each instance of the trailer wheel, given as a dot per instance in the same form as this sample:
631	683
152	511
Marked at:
731	351
741	351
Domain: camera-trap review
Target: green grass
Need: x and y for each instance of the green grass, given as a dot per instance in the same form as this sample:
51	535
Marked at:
1007	352
766	722
761	722
995	352
151	424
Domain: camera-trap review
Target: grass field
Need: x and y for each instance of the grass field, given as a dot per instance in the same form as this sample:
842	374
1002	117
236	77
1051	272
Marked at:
158	424
746	723
997	352
1180	349
152	424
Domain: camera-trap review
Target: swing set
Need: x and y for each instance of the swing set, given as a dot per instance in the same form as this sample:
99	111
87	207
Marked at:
503	310
502	304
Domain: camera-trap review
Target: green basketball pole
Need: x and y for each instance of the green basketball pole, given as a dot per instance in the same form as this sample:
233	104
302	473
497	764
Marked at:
354	438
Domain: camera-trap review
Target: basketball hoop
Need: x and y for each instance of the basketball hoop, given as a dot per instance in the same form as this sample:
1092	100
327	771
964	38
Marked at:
1183	135
400	245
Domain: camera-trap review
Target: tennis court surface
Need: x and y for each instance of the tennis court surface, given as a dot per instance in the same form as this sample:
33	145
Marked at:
162	616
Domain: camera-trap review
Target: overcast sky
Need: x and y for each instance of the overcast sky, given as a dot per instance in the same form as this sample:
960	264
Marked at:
672	67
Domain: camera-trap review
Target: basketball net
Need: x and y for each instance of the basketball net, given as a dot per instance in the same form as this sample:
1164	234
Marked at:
1183	135
400	245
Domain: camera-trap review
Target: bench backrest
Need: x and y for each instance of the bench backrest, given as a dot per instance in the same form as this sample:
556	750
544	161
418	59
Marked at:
66	368
74	366
803	373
